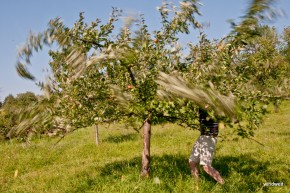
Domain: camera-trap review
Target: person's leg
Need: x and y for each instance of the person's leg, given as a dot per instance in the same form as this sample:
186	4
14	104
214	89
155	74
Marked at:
194	159
213	173
206	157
194	169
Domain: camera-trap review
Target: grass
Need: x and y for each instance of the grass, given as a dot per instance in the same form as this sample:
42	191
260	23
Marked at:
76	164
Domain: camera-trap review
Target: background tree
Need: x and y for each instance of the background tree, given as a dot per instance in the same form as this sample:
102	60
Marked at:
270	67
11	109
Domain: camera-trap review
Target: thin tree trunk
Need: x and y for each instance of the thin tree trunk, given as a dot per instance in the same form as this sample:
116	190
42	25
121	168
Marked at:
276	107
97	134
145	171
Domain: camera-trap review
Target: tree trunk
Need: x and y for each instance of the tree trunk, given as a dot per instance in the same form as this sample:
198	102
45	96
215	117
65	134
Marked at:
97	134
276	107
145	171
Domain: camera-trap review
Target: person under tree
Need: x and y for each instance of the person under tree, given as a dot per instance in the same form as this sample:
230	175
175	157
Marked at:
204	147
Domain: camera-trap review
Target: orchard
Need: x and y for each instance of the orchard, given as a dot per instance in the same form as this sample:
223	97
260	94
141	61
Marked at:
143	78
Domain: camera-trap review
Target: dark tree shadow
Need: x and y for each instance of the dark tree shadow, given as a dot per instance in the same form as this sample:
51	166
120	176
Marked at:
281	133
120	168
170	167
243	164
121	138
166	165
252	171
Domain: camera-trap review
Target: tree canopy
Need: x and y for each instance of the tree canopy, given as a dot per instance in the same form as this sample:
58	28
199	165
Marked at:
97	75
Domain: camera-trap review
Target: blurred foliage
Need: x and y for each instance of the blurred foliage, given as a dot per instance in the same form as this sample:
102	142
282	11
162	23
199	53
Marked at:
103	75
10	110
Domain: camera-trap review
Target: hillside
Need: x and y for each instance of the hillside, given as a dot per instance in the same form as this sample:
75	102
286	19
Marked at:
76	164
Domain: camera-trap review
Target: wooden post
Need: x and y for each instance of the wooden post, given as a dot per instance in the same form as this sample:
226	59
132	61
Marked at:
97	134
145	170
276	107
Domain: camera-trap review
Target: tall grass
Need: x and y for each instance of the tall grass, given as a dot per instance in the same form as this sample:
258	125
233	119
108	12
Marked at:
76	164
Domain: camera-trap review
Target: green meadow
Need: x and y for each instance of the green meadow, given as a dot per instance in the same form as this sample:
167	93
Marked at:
76	164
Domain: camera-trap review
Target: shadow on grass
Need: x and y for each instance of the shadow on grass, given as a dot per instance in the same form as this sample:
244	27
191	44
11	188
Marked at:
286	133
166	166
242	172
243	164
249	173
121	138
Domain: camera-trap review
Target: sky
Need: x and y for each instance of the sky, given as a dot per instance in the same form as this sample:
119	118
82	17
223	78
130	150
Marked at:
19	17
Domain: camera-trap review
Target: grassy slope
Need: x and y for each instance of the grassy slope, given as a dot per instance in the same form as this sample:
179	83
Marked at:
77	165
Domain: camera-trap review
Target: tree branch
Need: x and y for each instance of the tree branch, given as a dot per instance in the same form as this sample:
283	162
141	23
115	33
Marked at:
256	141
131	75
